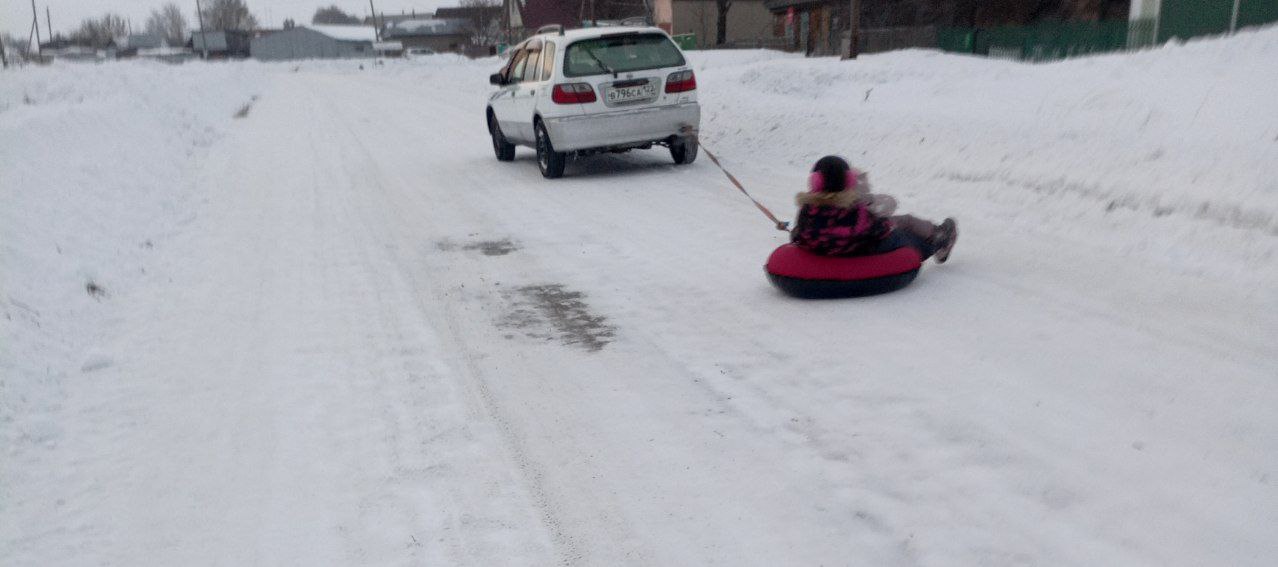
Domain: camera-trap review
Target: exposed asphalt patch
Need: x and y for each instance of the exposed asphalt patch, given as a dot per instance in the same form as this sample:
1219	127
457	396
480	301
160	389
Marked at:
500	247
552	313
493	247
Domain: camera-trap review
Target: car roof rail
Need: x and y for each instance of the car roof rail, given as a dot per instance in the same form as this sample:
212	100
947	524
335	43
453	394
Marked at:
550	28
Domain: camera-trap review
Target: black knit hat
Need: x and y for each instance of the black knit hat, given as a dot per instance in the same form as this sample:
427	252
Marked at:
830	174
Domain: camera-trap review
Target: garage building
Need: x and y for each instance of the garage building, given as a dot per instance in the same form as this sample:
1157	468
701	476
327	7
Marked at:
316	42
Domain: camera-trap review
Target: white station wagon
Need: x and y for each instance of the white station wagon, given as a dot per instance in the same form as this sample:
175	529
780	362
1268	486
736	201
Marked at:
587	91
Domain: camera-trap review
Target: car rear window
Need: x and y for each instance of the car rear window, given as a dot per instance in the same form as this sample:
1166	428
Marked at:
621	53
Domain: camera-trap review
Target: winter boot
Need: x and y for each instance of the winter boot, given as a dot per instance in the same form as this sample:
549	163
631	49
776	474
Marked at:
943	239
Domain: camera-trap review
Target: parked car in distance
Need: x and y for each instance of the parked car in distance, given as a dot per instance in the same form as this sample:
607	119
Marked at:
415	52
594	90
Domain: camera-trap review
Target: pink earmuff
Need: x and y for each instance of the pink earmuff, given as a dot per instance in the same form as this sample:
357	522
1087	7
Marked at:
816	181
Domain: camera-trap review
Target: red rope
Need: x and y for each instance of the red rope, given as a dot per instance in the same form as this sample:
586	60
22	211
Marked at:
780	224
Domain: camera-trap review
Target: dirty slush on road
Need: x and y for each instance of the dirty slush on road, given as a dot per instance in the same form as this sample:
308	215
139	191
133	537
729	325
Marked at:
545	312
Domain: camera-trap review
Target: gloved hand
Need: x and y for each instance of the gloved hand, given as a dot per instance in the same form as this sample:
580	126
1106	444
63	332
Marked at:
882	205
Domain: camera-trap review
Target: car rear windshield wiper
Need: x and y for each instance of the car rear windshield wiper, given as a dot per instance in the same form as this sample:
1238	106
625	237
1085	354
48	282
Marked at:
602	65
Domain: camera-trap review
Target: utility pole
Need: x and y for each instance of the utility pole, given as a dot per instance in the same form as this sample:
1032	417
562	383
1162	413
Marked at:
204	38
49	21
377	32
854	30
35	18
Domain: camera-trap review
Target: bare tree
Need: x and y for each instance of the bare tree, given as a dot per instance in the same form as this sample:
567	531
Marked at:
482	17
334	15
721	29
169	23
228	15
11	48
99	32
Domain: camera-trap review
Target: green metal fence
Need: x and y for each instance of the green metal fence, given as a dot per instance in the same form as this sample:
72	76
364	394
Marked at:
1049	40
685	41
1184	19
957	40
1257	12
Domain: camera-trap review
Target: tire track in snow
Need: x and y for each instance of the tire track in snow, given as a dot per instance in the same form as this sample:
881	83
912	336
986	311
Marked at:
565	543
580	555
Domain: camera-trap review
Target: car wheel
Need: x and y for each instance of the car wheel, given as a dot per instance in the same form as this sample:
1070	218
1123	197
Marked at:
684	151
549	161
505	150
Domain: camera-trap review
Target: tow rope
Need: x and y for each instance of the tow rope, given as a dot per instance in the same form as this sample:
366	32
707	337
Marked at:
780	224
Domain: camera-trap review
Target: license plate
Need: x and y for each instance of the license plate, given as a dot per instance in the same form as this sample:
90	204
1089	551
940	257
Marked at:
621	95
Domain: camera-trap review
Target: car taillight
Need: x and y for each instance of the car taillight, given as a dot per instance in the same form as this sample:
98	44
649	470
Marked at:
573	93
681	82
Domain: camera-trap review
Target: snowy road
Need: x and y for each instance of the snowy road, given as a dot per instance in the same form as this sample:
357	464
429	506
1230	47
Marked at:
376	344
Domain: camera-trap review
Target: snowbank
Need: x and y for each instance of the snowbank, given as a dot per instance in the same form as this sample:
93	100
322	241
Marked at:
96	167
1187	131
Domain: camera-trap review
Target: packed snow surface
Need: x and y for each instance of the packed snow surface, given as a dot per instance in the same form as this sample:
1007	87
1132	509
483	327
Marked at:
283	314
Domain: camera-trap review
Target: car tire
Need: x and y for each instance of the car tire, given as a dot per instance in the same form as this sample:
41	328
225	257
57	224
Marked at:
684	151
505	150
549	161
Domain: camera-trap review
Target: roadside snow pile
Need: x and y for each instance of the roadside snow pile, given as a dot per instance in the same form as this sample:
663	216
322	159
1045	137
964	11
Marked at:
1187	130
96	167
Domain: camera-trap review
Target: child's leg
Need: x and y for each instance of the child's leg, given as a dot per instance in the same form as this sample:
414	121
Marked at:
921	228
920	234
901	237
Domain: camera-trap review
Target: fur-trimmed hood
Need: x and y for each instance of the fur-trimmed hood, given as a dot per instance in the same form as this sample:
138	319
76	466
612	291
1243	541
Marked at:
861	193
840	199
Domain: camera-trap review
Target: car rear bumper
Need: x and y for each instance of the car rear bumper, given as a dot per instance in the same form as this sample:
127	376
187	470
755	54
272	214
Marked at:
621	128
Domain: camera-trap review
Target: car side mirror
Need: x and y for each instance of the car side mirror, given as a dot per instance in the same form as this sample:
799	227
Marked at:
497	79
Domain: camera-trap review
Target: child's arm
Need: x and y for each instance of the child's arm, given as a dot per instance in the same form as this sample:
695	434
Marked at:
881	205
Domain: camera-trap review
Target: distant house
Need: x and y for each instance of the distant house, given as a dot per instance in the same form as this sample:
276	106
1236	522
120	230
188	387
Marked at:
439	35
63	49
749	24
820	27
482	24
470	13
147	46
128	46
225	44
320	42
537	13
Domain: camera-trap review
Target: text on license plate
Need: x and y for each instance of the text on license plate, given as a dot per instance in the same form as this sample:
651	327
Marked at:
627	94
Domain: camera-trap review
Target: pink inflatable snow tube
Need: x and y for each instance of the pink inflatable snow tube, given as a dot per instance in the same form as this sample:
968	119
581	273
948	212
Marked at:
800	273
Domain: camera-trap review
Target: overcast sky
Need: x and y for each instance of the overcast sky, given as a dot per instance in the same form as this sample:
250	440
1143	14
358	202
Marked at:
15	16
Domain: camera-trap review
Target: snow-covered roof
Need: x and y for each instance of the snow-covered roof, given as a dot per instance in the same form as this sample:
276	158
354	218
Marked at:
163	51
346	33
427	26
